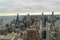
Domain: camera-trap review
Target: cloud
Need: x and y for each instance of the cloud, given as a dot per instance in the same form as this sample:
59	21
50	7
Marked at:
29	5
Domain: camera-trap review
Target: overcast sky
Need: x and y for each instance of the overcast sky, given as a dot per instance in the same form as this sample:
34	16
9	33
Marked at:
12	6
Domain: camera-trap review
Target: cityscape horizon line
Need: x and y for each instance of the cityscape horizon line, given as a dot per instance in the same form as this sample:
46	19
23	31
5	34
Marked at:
32	13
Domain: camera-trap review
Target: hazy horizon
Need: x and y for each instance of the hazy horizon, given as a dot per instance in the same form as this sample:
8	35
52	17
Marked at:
31	13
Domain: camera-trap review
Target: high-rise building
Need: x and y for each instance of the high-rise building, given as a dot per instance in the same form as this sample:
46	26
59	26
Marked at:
52	20
28	21
17	17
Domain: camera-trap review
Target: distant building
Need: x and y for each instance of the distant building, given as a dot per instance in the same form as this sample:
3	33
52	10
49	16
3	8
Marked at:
1	23
17	17
28	21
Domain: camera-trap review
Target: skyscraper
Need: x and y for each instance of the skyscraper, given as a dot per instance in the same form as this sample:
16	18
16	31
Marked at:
17	17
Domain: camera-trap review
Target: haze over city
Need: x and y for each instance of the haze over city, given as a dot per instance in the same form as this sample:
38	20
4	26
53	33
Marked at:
30	13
